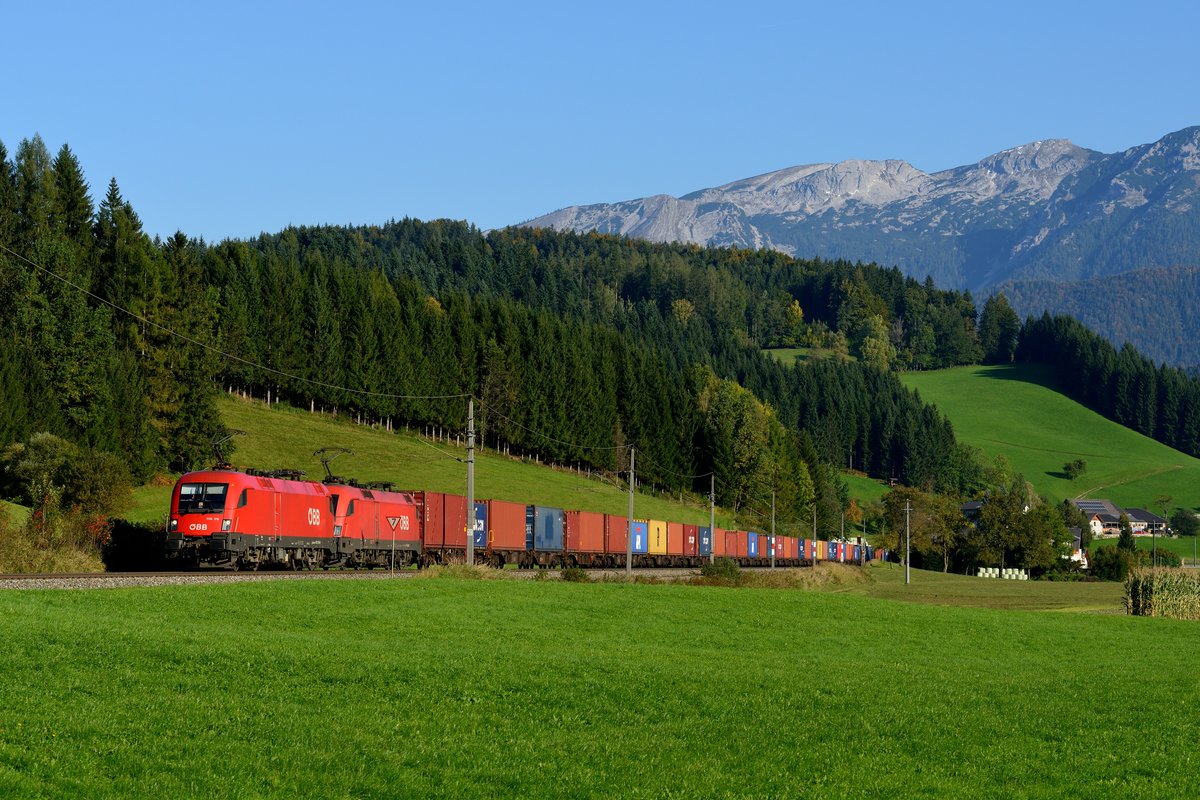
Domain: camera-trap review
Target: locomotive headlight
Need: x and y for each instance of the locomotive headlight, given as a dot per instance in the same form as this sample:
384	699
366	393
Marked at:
226	524
174	526
337	530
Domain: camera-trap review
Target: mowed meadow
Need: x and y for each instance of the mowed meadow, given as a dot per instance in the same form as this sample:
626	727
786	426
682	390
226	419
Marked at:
1016	411
458	688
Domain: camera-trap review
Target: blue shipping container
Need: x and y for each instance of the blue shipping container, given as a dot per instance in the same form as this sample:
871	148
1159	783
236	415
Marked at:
858	552
547	526
706	541
641	537
752	544
481	524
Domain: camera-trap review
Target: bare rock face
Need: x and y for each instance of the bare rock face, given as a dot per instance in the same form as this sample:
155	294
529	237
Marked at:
1045	209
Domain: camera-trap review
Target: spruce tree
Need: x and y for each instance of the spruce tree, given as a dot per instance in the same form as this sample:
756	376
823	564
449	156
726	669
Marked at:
72	210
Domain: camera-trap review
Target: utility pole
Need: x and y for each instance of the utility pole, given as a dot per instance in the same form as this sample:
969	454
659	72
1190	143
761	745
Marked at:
471	481
772	529
907	537
814	535
712	518
629	536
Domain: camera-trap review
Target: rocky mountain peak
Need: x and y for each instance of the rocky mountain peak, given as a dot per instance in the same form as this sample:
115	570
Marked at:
1048	207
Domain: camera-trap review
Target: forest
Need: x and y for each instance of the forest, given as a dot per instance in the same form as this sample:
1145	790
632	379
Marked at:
575	347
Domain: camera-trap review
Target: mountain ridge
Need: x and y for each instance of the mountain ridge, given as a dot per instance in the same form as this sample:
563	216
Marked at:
1048	209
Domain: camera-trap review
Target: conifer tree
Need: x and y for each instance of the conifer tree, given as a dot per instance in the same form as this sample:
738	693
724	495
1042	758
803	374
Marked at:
72	210
34	188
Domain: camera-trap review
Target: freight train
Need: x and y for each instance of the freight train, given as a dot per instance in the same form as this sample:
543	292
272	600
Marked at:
250	519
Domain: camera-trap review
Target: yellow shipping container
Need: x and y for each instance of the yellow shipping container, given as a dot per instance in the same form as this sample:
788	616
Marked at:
658	537
822	550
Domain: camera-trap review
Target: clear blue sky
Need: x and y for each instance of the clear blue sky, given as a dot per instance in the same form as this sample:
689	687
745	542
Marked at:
226	119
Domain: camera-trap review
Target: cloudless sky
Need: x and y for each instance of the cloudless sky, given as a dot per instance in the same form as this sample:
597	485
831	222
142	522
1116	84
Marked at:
224	119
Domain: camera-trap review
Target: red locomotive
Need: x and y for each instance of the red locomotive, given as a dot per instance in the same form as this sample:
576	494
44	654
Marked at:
247	519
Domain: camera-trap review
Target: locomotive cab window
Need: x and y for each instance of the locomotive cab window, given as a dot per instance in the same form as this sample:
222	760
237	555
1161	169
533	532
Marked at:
333	503
202	498
243	499
350	509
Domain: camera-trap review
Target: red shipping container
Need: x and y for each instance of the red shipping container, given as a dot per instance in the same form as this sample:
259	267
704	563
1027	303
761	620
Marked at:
616	534
691	540
456	521
432	507
585	532
743	543
506	525
719	542
674	538
731	545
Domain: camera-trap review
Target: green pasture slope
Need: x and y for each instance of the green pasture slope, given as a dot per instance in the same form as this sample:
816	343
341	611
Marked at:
452	688
285	438
1016	411
791	355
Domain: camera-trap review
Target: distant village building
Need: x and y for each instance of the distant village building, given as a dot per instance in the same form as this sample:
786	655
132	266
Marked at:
1104	517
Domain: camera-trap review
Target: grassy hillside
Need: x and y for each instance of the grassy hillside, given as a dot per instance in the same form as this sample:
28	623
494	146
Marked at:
441	687
283	437
1016	411
791	355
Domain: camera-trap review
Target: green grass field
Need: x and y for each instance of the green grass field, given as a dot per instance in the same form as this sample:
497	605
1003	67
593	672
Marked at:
790	355
416	688
1186	547
1016	411
864	489
16	514
284	437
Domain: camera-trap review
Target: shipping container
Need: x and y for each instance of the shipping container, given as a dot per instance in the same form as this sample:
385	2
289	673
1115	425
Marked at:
858	556
506	525
641	536
822	550
691	540
706	540
616	534
432	509
456	521
585	532
675	538
481	529
741	543
720	543
752	544
657	532
544	528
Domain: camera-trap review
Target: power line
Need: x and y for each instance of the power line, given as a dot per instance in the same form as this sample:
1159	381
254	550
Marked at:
230	356
439	450
675	474
548	438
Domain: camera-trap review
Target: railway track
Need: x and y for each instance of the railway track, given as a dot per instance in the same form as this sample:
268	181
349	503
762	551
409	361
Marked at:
117	580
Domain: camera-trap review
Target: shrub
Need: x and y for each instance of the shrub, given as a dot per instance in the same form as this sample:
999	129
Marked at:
724	568
575	575
1110	563
134	547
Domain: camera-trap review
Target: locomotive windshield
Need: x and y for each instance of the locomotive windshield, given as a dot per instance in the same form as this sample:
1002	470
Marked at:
202	498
